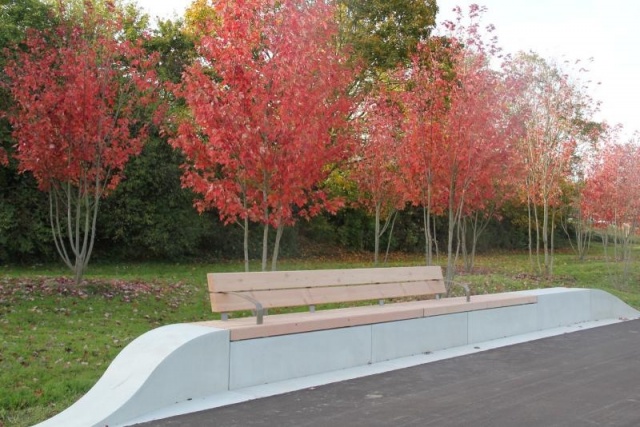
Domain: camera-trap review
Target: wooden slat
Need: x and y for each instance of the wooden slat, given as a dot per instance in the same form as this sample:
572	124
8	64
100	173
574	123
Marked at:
256	281
246	328
309	296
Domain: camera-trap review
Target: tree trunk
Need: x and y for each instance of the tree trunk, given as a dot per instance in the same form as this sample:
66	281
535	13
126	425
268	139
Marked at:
265	219
376	240
462	242
529	218
434	235
245	228
379	231
477	229
452	223
552	242
393	224
545	237
537	228
74	242
428	238
276	247
265	246
245	244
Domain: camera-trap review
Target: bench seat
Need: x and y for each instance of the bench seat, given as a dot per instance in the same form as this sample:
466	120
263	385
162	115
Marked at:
290	323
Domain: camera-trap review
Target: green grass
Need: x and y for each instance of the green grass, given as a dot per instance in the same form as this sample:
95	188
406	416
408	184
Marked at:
56	340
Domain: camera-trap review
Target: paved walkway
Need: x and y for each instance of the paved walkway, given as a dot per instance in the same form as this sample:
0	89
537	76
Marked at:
586	378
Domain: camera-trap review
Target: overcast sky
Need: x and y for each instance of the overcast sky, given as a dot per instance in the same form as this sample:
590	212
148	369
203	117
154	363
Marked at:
605	30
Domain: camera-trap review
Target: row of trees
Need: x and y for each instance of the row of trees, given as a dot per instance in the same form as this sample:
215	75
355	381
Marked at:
284	110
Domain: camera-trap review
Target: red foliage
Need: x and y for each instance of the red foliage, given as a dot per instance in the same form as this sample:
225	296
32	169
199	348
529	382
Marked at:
457	127
268	107
376	168
76	90
550	107
611	195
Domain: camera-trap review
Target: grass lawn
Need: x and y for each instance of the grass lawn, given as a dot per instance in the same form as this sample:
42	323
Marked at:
56	339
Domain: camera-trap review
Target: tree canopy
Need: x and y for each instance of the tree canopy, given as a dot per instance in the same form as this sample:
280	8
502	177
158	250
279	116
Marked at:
278	110
386	32
78	92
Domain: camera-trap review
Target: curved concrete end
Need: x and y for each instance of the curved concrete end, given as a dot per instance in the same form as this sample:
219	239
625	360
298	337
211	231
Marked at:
171	364
607	306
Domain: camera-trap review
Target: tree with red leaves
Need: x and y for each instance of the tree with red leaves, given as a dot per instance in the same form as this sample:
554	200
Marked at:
79	91
267	107
425	101
553	109
611	195
376	167
475	144
456	128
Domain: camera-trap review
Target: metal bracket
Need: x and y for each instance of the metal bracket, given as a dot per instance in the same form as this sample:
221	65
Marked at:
464	285
259	309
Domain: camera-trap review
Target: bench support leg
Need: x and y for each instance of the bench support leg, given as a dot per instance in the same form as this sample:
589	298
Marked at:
259	308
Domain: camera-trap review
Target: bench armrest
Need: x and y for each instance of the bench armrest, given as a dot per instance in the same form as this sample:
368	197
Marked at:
259	307
450	283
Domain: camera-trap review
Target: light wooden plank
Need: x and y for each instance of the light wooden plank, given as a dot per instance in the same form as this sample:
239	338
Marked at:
255	281
312	296
281	324
460	304
312	324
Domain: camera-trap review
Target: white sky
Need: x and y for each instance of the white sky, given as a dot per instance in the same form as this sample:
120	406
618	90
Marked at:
606	30
162	8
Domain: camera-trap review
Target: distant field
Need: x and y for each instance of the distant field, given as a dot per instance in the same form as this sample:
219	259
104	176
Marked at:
56	340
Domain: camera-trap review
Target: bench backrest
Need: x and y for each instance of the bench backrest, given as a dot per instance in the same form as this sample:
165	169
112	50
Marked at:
311	287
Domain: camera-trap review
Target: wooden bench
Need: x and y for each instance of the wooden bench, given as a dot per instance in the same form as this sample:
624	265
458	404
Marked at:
389	294
231	292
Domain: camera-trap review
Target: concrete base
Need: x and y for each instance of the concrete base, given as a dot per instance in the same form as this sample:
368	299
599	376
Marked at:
171	364
181	366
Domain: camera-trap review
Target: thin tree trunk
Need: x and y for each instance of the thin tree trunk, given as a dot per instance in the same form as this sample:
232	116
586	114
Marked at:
276	246
428	237
245	243
478	228
552	240
450	266
545	237
460	241
529	217
265	233
452	223
376	240
537	228
81	211
96	202
435	240
379	231
393	224
245	228
627	253
265	245
54	219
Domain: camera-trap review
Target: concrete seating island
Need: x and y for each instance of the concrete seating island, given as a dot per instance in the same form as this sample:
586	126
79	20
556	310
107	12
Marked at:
352	318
